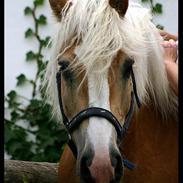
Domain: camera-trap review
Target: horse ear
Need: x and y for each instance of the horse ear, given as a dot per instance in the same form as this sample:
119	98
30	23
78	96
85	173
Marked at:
56	6
120	6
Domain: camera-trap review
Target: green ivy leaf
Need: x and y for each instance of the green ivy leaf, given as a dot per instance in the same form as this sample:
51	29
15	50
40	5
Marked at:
35	104
45	41
42	67
40	63
38	2
161	27
14	115
42	20
27	10
29	32
157	8
144	1
30	56
8	131
11	99
12	95
21	79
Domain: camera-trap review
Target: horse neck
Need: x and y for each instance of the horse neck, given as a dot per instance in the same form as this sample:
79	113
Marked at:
153	146
148	132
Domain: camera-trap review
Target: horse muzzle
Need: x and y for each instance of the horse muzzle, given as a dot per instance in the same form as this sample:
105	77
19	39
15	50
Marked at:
101	167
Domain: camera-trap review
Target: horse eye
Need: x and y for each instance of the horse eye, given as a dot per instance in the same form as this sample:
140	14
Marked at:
63	64
126	68
67	73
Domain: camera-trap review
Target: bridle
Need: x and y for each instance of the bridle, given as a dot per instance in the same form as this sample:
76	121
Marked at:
98	112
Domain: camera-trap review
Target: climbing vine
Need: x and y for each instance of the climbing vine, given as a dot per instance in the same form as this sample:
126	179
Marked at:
156	8
40	138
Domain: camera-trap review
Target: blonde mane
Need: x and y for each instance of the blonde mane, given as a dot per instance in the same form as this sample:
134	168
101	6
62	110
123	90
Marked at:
99	33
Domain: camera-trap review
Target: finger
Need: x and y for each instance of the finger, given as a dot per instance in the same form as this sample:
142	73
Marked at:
166	44
172	43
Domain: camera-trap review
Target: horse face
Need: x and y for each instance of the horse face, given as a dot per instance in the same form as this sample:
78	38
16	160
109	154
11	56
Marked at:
98	155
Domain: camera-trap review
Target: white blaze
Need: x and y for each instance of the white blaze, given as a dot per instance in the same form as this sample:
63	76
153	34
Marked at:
99	129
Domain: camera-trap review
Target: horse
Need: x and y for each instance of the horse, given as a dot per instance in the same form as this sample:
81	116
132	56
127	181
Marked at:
108	86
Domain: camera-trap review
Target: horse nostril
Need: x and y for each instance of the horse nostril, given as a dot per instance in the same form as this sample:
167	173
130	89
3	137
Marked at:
118	169
84	170
116	161
86	161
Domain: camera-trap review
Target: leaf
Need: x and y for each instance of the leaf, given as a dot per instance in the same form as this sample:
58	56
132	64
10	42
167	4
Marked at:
40	63
12	95
157	8
27	10
144	1
21	79
29	32
45	41
30	56
8	131
14	115
42	67
42	20
38	2
12	103
34	103
161	27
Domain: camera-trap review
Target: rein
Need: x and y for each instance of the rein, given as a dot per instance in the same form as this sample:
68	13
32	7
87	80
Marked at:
98	112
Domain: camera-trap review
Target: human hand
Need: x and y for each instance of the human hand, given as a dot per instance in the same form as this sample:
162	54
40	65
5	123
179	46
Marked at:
170	50
170	57
167	36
